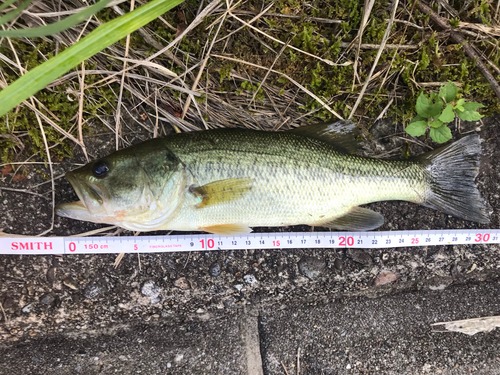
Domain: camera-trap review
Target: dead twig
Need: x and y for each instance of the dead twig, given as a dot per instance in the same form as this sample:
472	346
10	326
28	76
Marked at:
202	67
250	22
44	138
43	116
366	14
284	368
408	47
118	259
24	191
492	30
267	74
152	41
379	53
51	173
120	94
408	23
469	326
93	232
3	312
298	360
326	61
382	114
80	111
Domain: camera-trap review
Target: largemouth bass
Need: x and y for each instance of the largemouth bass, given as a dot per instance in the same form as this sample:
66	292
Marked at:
226	181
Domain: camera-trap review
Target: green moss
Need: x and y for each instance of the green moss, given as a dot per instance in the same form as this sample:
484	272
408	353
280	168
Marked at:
225	71
251	88
7	146
454	22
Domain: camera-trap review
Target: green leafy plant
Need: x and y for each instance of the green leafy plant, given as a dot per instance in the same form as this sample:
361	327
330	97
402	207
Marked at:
437	110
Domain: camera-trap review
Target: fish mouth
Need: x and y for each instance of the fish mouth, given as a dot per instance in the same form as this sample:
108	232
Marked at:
72	210
90	201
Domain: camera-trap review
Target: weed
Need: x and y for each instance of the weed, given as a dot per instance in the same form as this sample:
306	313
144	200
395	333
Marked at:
431	113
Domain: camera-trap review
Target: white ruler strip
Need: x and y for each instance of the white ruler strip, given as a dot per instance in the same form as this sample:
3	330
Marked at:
204	242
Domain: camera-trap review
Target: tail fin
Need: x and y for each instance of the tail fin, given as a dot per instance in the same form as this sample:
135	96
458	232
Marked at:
452	170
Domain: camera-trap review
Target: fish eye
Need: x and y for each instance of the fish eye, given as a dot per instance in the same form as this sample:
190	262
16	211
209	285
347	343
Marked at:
100	169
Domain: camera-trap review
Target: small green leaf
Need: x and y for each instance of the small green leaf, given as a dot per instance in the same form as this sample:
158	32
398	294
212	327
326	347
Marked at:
460	105
423	104
436	123
416	128
470	115
418	118
427	108
469	112
449	92
435	109
441	134
448	115
472	106
454	22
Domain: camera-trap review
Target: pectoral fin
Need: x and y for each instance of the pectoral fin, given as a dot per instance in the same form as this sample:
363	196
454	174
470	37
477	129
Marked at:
221	191
358	219
227	229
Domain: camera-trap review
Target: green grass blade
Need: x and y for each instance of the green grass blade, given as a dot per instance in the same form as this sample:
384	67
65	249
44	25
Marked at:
55	27
14	13
96	41
6	4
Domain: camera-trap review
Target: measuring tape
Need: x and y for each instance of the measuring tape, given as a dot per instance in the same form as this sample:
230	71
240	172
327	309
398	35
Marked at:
206	242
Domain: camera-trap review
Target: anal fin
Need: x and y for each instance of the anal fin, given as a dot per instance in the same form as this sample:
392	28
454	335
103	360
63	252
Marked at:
221	191
227	229
357	219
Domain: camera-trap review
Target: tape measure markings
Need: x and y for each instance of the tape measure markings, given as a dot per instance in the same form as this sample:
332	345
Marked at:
277	240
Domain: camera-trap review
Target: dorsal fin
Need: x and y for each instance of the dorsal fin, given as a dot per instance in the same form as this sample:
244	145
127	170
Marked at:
341	134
